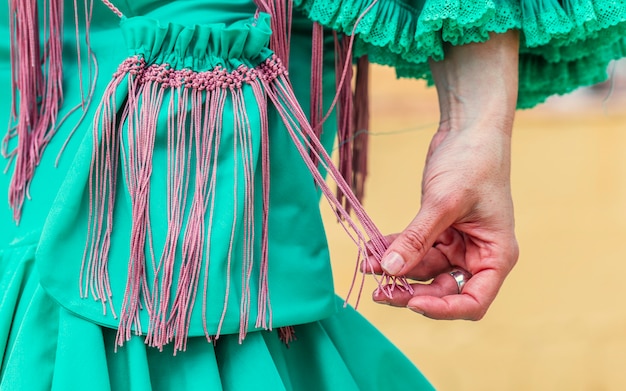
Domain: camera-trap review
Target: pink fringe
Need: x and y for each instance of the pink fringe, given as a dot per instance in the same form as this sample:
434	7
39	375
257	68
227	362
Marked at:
137	163
317	82
360	134
352	109
353	113
94	278
169	307
282	17
38	87
209	138
363	232
345	128
37	84
264	309
287	335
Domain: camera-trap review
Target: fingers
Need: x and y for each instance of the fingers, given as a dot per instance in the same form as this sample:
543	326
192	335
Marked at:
440	299
478	294
434	263
441	286
448	250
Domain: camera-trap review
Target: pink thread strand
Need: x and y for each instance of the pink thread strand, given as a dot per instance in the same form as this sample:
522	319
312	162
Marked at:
264	310
214	122
37	84
113	8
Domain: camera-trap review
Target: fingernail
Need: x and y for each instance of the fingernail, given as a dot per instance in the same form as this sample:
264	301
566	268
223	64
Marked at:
366	266
382	302
392	263
415	309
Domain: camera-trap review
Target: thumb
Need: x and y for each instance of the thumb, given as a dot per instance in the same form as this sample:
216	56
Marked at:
410	246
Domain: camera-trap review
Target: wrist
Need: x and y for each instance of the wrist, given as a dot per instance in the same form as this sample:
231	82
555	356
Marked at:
477	84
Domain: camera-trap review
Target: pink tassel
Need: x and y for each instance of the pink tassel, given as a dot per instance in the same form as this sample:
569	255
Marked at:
94	278
264	309
193	240
353	147
213	131
287	335
282	17
179	159
360	134
137	161
345	125
37	86
352	109
170	306
352	121
363	232
242	131
317	74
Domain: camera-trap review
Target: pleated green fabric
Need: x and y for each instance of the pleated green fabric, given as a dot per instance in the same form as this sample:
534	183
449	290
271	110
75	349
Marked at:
47	347
564	44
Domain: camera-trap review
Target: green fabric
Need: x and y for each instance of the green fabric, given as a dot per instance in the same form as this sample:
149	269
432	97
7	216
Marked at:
47	331
564	45
46	347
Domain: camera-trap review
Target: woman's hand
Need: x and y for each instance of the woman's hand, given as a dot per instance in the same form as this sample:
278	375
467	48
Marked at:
466	218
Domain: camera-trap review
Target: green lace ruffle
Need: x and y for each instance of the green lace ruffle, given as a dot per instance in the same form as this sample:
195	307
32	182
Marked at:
564	45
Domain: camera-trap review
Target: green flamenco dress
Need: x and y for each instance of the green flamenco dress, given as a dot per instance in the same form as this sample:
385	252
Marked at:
170	236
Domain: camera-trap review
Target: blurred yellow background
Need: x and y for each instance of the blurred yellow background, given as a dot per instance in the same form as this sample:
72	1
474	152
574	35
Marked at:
559	322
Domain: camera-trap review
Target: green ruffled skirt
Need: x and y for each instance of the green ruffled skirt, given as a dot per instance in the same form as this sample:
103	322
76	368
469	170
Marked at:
46	347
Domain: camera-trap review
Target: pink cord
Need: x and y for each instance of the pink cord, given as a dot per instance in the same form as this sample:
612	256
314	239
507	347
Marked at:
113	8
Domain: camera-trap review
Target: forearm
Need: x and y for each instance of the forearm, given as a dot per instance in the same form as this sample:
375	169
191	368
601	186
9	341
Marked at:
465	221
477	84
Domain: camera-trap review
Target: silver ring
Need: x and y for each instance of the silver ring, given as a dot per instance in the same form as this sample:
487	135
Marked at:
459	277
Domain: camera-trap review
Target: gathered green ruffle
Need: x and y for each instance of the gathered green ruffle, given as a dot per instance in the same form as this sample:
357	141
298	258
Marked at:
199	47
564	44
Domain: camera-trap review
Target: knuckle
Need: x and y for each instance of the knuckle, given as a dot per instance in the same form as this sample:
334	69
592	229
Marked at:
477	316
450	202
515	251
447	202
512	254
414	240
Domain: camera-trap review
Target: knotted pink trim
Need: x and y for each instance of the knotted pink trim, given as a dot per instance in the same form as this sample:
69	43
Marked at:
217	78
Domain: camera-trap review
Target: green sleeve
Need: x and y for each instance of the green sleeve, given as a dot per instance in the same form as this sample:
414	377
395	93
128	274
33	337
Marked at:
564	44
